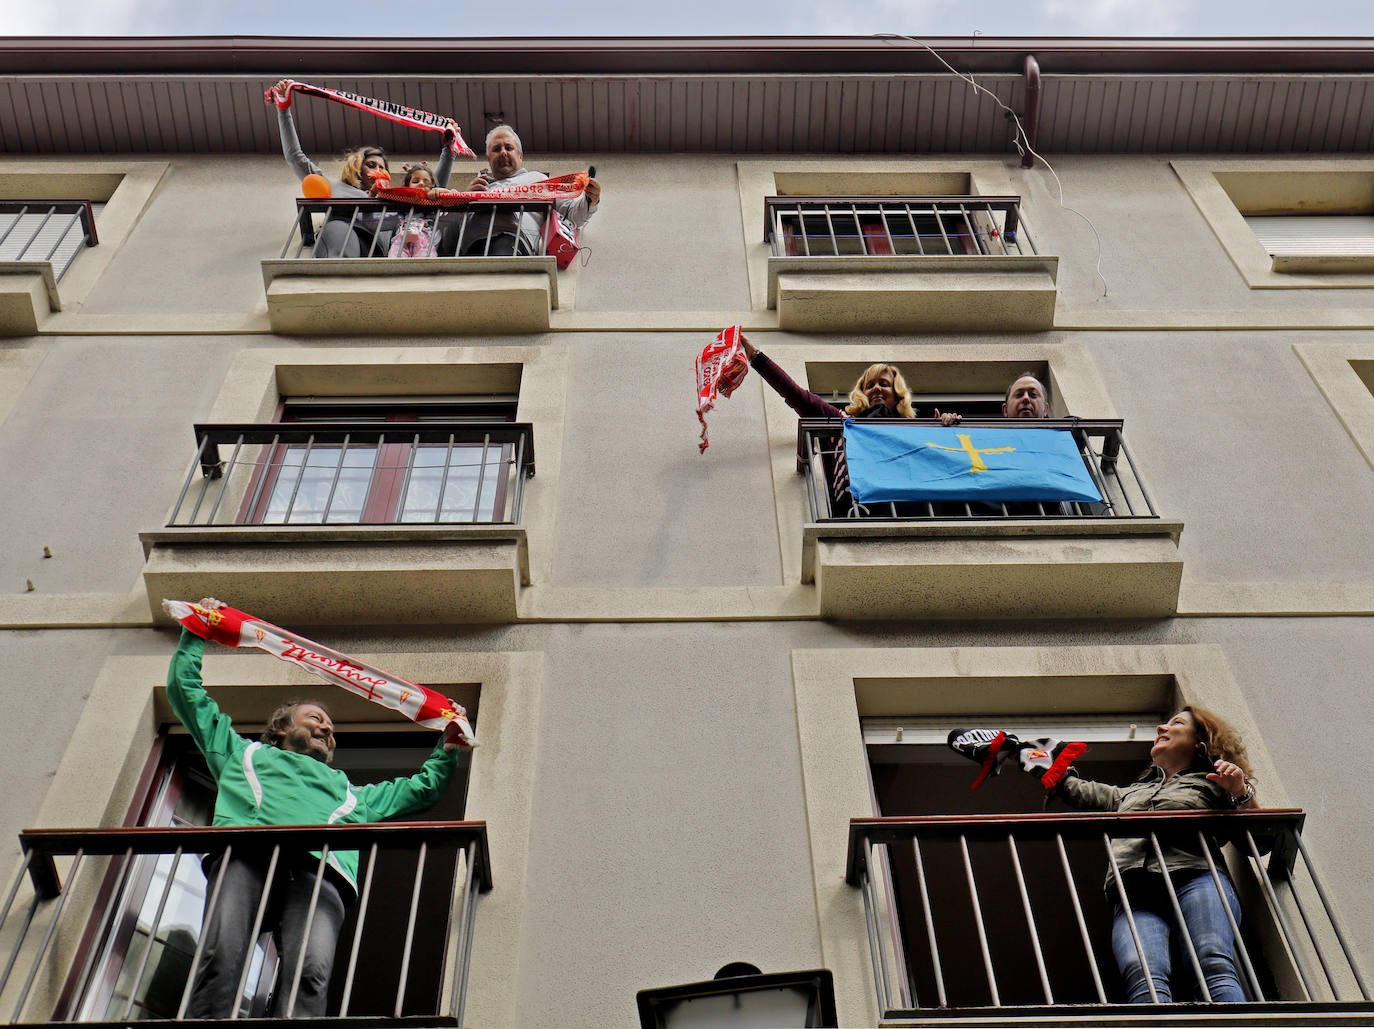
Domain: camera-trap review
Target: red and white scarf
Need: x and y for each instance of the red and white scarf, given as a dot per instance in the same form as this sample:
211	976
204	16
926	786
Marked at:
381	108
421	705
721	367
561	187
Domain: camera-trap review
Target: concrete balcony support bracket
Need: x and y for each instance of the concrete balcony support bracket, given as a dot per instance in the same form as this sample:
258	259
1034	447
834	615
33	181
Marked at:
415	296
912	294
28	294
1035	570
390	575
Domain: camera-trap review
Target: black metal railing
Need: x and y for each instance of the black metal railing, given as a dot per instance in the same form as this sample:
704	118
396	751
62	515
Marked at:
59	949
357	473
1030	933
46	230
911	226
476	225
820	458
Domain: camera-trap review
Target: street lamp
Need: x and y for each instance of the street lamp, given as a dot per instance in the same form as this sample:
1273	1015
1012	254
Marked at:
742	997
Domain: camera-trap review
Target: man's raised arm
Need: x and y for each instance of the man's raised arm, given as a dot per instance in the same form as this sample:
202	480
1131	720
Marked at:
209	727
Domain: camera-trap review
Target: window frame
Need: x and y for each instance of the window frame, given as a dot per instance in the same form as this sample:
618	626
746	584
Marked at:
834	688
383	500
172	760
1225	191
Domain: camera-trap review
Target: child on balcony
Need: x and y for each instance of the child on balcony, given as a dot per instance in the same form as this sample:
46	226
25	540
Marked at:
345	233
416	236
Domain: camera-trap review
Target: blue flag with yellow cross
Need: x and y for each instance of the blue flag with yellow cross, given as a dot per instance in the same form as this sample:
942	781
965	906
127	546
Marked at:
896	462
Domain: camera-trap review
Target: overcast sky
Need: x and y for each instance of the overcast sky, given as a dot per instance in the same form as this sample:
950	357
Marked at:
694	17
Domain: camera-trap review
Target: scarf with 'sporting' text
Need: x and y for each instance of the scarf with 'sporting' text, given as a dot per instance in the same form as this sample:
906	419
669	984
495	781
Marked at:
421	705
381	108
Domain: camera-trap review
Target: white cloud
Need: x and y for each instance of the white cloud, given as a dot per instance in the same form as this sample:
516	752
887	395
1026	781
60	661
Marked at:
1121	17
89	18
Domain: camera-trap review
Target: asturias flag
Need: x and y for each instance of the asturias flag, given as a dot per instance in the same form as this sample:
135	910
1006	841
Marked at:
890	462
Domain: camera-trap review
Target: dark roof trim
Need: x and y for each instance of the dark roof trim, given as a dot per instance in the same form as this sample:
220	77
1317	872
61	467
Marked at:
273	56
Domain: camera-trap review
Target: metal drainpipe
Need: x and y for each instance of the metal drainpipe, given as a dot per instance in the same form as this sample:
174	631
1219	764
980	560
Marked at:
1031	120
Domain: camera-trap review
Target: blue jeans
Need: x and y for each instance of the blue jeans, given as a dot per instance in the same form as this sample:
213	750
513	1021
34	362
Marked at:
1154	921
227	942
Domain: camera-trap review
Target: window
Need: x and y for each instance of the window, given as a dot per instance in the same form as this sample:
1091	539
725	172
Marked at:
54	231
1289	224
1100	442
145	953
1311	242
920	775
381	470
913	226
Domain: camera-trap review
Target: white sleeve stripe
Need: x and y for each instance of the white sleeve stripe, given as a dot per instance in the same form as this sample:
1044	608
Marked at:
250	773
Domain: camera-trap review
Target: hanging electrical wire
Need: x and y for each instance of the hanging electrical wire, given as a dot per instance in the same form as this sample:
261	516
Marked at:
1019	138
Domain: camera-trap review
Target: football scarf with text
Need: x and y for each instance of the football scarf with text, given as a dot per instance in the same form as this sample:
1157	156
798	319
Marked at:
721	367
560	187
420	704
381	108
992	749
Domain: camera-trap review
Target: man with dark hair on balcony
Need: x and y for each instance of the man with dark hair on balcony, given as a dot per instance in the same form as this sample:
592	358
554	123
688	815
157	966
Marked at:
284	778
510	233
1026	398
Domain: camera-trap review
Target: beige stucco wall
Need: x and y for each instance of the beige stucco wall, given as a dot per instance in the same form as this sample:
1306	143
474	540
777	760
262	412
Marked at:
669	827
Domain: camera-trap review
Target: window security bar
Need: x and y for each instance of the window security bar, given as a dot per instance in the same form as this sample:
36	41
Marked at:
913	226
820	458
46	230
71	960
357	473
478	221
976	854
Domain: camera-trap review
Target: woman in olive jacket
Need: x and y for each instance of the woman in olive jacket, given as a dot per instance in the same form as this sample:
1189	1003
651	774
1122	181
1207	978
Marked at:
1198	763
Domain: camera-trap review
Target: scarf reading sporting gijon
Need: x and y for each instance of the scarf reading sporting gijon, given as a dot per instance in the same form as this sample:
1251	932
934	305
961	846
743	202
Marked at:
381	108
420	704
560	187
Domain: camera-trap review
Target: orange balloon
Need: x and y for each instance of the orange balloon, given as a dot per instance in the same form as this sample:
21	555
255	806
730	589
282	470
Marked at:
316	187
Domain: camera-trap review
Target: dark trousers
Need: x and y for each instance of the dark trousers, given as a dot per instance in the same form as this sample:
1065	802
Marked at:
227	943
336	239
475	244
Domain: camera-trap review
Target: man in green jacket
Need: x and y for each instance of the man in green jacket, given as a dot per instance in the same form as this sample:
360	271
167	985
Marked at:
284	778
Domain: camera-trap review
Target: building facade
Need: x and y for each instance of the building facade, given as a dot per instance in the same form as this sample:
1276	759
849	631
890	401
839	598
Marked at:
691	671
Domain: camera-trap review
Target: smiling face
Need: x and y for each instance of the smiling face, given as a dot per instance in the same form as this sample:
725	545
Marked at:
1026	399
879	385
311	733
1176	743
504	156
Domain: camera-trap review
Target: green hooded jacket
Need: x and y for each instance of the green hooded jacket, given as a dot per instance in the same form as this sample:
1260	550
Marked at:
263	785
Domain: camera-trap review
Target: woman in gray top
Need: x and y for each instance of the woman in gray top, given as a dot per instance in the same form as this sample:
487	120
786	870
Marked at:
369	234
1198	763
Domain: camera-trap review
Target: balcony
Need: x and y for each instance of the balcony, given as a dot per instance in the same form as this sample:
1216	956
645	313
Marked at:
39	240
375	293
1002	920
350	522
106	946
907	264
1117	558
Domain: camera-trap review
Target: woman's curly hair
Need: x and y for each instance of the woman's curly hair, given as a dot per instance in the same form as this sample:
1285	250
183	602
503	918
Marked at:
858	399
1219	741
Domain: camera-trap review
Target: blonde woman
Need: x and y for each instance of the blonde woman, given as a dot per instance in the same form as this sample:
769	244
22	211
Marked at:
342	235
881	392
